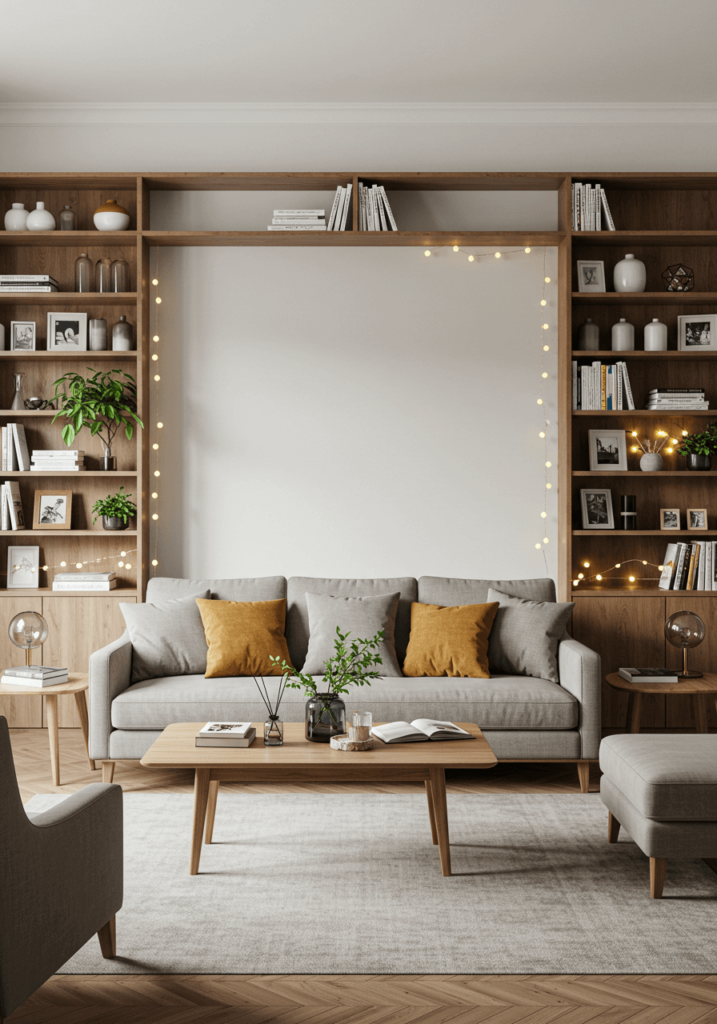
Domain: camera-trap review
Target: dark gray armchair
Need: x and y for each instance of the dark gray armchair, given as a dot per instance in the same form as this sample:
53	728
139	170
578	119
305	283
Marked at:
60	880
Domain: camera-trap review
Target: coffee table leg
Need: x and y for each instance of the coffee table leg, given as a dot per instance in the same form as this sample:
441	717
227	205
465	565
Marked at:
431	812
211	810
699	704
440	810
51	713
201	795
81	705
634	712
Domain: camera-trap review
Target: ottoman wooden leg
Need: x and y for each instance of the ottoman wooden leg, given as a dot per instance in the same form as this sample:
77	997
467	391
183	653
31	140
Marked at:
658	869
613	828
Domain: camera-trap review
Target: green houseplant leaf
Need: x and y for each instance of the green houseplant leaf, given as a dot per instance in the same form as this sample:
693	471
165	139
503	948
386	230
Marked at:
102	402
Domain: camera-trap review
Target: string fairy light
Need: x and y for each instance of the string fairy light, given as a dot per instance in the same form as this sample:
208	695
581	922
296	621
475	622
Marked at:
78	565
631	578
156	411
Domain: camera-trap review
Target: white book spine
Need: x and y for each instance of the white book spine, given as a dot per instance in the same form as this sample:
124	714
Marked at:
598	208
575	383
578	188
332	215
4	449
299	213
381	213
298	220
23	455
388	208
17	516
606	210
296	227
374	205
347	207
87	585
339	209
5	517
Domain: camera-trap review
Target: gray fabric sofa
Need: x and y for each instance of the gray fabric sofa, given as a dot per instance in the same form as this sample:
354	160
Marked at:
524	718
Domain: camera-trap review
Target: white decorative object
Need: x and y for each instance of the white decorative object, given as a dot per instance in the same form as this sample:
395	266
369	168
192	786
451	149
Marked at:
651	463
623	336
23	567
344	742
111	217
655	336
629	275
16	218
40	219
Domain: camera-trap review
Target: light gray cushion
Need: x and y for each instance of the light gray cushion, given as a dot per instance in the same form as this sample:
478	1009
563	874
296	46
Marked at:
362	617
671	839
264	588
525	636
297	614
167	637
448	592
668	778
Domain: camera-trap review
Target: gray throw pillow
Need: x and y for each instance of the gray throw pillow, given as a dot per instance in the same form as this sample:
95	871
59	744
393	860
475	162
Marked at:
167	638
525	636
362	617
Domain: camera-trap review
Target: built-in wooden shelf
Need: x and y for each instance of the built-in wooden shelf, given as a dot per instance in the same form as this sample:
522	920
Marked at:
645	299
692	473
638	592
49	592
670	354
53	238
506	239
694	534
68	533
671	414
623	238
78	475
68	299
82	354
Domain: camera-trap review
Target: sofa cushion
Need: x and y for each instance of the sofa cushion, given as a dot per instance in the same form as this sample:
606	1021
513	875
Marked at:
444	590
167	637
525	637
362	617
264	588
667	778
449	641
297	615
505	703
243	636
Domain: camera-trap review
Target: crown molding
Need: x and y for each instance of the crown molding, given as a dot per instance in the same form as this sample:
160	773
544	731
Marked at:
370	115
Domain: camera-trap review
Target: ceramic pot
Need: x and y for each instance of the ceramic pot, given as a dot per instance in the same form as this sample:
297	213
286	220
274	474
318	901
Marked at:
122	336
40	219
588	336
16	218
629	275
98	335
325	717
699	461
111	217
623	336
651	462
114	523
655	336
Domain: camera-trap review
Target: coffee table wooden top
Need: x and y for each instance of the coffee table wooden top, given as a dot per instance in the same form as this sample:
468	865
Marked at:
706	684
175	749
76	683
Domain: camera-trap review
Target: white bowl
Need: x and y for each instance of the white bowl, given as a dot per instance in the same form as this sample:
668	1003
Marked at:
111	221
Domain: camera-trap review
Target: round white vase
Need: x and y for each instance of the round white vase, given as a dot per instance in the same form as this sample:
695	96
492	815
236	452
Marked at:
655	336
111	217
650	462
623	336
40	219
629	275
16	218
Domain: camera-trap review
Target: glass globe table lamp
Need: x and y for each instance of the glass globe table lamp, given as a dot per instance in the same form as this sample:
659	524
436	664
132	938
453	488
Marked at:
28	630
685	630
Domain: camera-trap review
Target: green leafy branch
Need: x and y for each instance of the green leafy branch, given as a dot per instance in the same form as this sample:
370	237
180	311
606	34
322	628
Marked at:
703	443
102	402
353	664
117	506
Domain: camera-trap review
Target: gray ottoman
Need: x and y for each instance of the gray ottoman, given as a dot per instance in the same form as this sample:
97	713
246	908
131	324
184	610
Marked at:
663	791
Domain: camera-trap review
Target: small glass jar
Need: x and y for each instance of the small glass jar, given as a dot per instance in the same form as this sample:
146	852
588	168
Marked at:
273	732
360	728
98	335
68	219
84	274
103	275
325	717
119	272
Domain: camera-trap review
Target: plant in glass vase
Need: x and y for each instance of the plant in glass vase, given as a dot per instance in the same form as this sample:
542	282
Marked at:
353	664
103	402
699	448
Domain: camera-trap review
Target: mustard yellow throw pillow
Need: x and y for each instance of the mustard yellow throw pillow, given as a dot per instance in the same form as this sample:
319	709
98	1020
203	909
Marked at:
448	641
241	635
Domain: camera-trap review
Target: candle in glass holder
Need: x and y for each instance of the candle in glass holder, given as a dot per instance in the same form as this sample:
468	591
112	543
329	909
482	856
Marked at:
360	729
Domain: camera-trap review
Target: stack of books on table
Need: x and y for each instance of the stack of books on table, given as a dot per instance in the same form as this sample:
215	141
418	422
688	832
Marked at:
12	516
599	385
690	566
374	209
590	208
48	460
84	581
668	399
42	283
648	675
298	220
34	675
226	734
15	454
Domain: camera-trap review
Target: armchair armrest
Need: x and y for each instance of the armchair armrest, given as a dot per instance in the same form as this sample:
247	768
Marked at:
110	674
580	674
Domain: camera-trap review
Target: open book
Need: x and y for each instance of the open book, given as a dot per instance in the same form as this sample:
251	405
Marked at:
419	730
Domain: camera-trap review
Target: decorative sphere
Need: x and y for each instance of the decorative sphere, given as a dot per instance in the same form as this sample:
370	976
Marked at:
28	630
685	629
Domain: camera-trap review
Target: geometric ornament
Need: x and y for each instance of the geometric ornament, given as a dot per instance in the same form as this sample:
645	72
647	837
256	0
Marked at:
679	278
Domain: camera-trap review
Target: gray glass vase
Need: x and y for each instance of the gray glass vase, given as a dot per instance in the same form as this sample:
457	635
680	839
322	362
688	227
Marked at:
325	717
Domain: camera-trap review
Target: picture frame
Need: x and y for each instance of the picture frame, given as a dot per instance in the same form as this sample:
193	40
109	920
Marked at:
52	510
670	519
596	505
591	275
608	451
697	332
23	335
23	567
67	332
697	519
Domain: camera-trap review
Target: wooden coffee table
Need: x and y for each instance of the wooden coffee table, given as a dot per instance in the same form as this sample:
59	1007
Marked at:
698	689
298	760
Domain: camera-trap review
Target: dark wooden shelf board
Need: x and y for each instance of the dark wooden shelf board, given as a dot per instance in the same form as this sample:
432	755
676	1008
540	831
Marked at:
623	238
49	592
84	355
420	239
60	299
259	181
672	414
638	592
645	299
644	533
50	239
696	473
671	354
80	475
68	533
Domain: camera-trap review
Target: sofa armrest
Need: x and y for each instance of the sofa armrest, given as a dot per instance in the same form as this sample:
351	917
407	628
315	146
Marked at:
580	674
110	674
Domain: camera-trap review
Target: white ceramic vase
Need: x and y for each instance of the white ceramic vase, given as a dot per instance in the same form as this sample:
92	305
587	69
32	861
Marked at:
650	462
40	219
623	336
16	218
655	336
629	275
111	217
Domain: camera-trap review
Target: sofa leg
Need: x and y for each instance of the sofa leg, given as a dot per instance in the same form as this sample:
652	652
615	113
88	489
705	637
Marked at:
108	771
584	776
613	828
108	939
658	869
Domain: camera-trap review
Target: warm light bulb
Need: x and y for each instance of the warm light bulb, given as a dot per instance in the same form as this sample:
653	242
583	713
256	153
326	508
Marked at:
154	494
537	545
427	252
63	564
598	577
673	440
644	563
155	562
455	248
581	576
497	255
543	515
634	449
471	258
543	302
669	450
548	486
634	433
575	582
155	516
586	565
660	567
541	434
527	249
44	568
547	280
684	433
632	579
548	464
540	401
160	425
155	338
546	326
120	564
156	472
155	447
155	357
544	375
158	300
128	565
546	540
546	348
157	377
78	565
123	553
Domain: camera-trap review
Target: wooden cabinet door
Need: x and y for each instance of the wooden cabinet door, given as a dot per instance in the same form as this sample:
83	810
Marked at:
21	712
680	710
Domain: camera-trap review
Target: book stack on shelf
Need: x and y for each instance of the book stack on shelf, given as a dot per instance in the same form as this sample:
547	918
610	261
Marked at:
12	516
42	283
602	386
225	734
339	216
34	675
374	209
298	220
673	399
690	566
84	582
50	460
590	206
15	454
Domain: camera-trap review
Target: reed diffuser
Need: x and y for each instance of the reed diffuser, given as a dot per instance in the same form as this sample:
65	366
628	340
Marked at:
273	726
651	460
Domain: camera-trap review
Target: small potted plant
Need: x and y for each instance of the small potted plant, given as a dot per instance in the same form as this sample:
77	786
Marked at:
116	510
699	448
103	402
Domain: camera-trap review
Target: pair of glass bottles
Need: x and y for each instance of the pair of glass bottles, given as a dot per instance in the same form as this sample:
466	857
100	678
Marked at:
105	276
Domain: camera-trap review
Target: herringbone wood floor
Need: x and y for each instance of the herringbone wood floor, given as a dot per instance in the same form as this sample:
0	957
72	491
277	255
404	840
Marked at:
391	999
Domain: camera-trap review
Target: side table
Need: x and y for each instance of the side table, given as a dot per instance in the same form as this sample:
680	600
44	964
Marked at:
698	689
77	685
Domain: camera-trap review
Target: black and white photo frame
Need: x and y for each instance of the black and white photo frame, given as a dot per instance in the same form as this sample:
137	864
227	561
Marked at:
67	332
608	451
697	519
596	505
23	567
591	275
23	336
697	332
670	519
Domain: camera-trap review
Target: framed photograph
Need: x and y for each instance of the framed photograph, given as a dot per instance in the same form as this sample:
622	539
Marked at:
696	518
22	335
66	332
23	567
697	333
596	503
669	519
53	510
591	276
608	451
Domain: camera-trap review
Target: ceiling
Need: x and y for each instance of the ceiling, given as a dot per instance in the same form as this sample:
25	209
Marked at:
380	51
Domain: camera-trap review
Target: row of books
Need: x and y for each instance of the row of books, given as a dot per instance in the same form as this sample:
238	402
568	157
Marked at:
84	582
12	516
16	456
49	460
34	675
671	399
690	566
28	283
602	386
298	220
590	206
374	209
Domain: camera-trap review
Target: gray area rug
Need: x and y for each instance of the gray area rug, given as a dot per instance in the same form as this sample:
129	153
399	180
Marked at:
334	884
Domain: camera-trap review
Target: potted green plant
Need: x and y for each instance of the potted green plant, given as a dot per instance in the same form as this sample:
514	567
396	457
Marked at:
699	448
102	402
116	510
353	664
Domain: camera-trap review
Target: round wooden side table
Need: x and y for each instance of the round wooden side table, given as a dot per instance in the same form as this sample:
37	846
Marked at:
698	689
